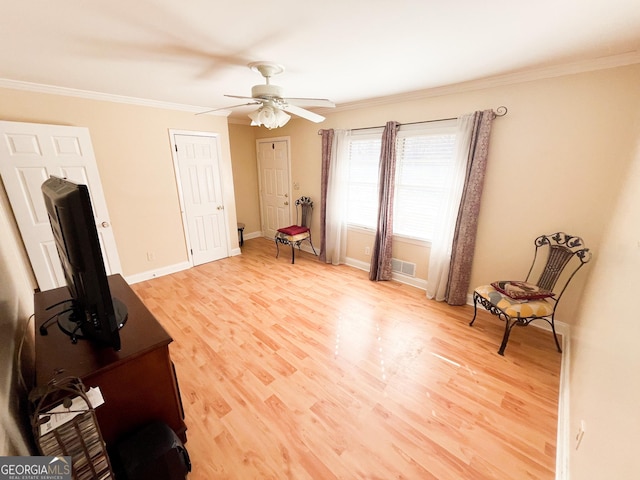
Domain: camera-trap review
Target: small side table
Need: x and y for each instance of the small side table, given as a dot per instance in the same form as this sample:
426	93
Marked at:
241	233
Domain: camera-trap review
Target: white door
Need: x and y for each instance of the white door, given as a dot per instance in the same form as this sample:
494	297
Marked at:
29	154
198	171
273	165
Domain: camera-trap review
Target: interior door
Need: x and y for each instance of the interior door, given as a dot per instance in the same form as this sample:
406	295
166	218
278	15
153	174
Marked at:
273	165
198	171
29	154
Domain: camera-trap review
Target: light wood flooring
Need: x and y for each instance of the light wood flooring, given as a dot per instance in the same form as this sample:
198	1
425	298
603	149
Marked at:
311	371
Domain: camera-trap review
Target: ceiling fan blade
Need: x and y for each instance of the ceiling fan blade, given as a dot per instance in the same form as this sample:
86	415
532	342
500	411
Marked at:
240	96
312	102
301	112
229	107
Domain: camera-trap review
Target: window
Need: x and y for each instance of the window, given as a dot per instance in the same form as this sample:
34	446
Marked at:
362	197
424	157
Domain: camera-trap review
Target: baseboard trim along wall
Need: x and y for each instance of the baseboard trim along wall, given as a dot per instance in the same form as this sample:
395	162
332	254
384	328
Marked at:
398	277
148	275
159	272
249	236
563	442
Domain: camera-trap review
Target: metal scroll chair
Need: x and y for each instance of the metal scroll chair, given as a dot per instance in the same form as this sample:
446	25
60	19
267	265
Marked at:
557	259
294	235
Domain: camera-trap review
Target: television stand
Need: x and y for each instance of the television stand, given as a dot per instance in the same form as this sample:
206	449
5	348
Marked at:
138	382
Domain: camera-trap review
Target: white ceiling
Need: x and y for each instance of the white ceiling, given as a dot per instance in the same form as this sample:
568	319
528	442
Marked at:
191	52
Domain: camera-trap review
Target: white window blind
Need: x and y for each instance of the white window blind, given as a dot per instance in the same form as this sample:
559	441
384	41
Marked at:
364	155
423	165
424	156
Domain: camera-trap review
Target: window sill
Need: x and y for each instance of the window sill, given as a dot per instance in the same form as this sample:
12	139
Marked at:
412	241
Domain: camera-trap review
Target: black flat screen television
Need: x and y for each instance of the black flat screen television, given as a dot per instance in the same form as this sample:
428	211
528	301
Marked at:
92	313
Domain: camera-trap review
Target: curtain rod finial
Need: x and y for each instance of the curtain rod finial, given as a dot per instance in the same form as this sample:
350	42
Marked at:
501	111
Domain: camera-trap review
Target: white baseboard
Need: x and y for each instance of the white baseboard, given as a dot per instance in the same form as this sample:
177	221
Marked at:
178	267
563	439
249	236
413	281
352	262
398	277
148	275
168	270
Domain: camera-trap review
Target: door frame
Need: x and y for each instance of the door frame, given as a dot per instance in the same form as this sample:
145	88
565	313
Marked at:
176	170
260	189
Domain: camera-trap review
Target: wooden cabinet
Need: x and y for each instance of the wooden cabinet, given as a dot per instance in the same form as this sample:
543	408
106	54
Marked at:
138	382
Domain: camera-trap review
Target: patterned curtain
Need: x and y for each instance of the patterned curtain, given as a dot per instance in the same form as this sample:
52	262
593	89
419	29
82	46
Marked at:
447	215
381	255
464	240
327	141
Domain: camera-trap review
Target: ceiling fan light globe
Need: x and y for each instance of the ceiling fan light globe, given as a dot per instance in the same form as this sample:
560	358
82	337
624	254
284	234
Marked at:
269	116
282	118
255	119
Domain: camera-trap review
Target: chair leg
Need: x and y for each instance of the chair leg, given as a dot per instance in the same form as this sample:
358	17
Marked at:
277	248
508	325
313	248
555	335
293	253
475	308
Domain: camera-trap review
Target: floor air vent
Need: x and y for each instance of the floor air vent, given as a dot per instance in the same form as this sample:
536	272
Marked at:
405	268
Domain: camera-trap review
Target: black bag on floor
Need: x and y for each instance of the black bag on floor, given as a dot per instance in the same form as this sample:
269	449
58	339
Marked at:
152	453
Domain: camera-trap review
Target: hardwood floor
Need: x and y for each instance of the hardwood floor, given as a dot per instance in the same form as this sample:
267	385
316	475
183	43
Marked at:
311	371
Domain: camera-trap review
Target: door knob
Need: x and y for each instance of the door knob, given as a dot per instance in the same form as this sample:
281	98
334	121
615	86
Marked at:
286	203
220	207
104	224
286	195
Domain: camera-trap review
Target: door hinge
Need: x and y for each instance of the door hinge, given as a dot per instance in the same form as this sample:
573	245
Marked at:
273	146
192	252
176	145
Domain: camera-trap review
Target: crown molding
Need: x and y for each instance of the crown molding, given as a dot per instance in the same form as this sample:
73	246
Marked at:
602	63
106	97
511	78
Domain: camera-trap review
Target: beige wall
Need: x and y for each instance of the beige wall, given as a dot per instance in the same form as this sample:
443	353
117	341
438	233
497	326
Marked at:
242	141
556	164
605	360
133	153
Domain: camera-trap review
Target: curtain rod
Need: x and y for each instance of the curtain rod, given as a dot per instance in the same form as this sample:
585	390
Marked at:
501	111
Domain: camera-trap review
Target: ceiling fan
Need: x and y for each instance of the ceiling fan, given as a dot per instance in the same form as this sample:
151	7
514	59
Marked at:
273	104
